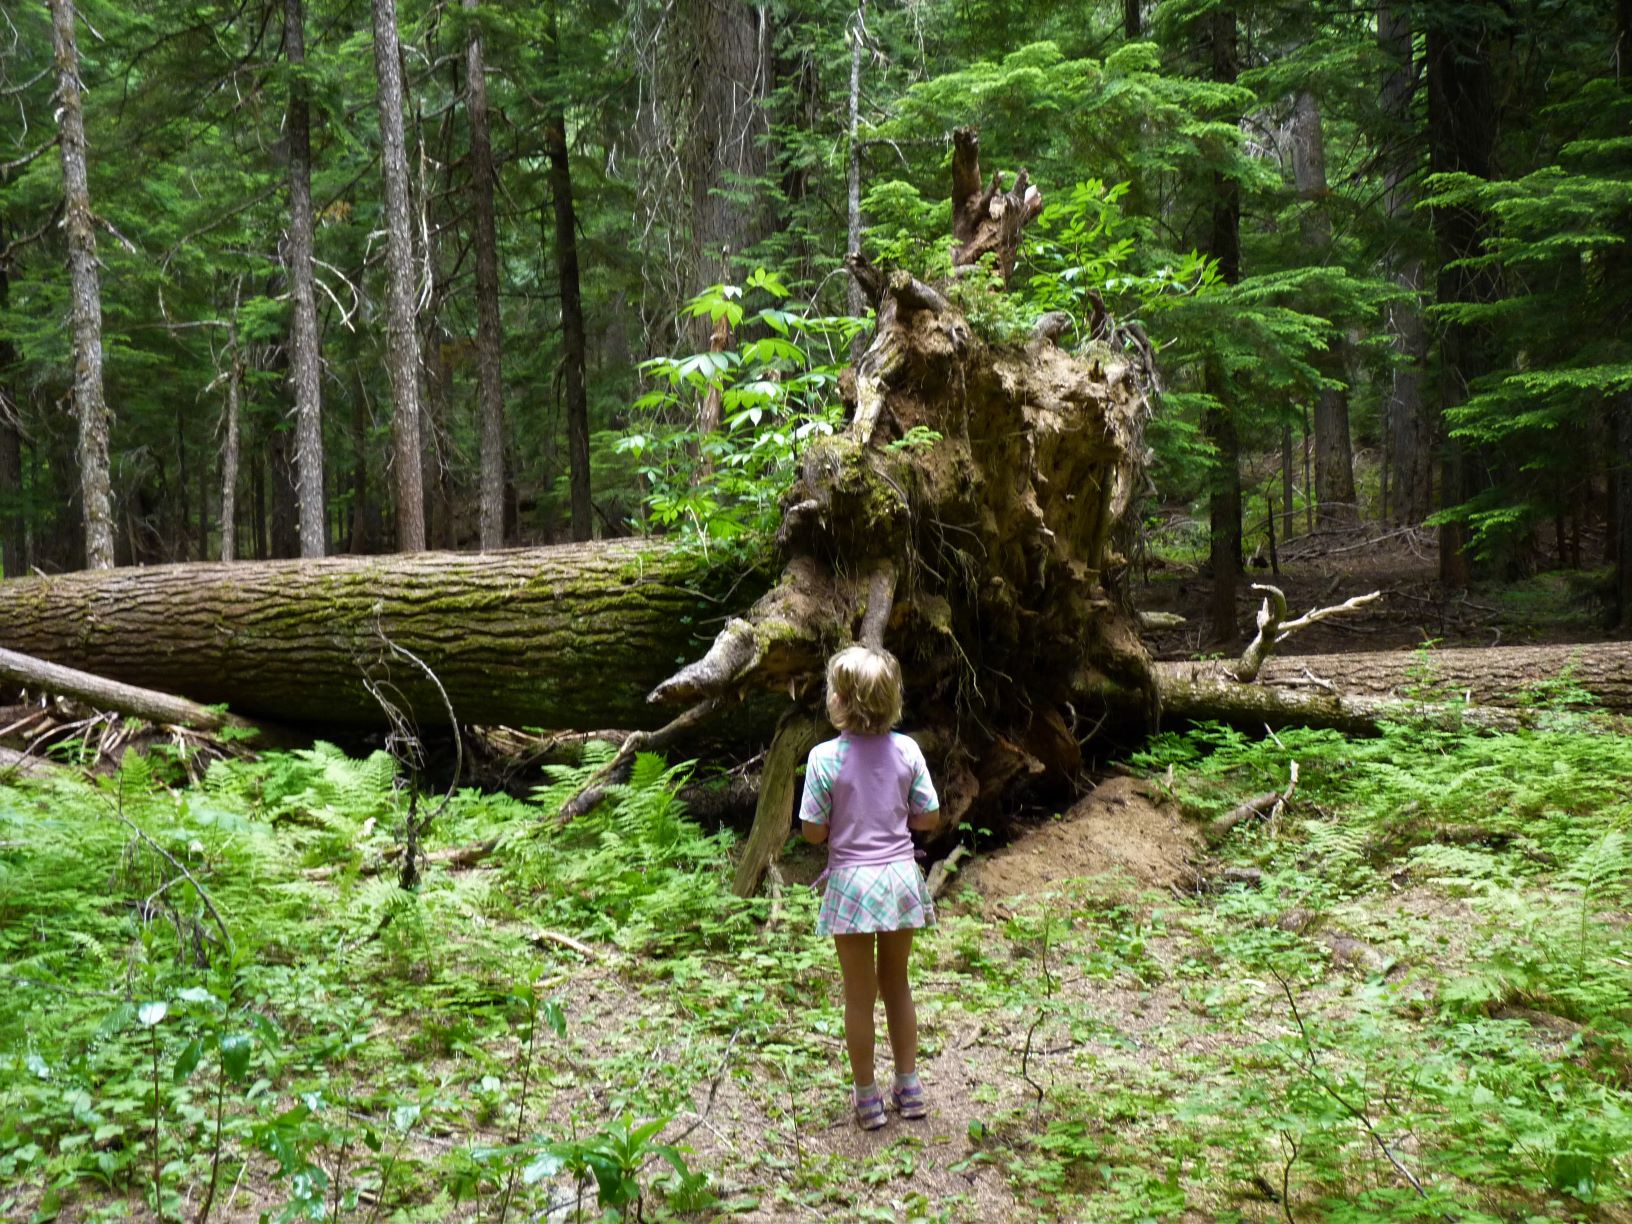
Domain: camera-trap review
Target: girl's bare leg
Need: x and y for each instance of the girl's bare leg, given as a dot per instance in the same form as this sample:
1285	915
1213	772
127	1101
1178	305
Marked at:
860	993
894	950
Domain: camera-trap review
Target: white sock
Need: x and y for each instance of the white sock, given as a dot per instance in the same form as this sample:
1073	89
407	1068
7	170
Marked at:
909	1080
867	1090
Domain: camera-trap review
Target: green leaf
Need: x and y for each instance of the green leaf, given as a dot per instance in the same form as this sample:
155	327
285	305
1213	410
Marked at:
403	1117
555	1017
187	1062
236	1049
151	1014
545	1164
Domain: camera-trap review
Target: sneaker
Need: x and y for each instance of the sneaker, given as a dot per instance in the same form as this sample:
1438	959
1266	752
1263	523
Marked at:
909	1099
869	1109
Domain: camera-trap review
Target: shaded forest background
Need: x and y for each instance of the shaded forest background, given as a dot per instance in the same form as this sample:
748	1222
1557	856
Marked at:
272	284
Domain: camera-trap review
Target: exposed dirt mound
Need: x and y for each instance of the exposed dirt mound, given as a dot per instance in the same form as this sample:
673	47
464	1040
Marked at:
1123	830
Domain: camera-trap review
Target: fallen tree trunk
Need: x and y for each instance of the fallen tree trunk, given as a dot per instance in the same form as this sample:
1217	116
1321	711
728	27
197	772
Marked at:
566	637
1500	686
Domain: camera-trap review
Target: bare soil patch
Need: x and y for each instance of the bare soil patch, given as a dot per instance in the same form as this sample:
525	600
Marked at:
1123	830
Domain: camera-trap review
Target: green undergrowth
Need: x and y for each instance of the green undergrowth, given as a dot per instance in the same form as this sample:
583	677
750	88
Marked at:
1412	1000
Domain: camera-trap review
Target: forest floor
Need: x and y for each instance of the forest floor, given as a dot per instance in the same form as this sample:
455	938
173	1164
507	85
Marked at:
1406	995
1324	567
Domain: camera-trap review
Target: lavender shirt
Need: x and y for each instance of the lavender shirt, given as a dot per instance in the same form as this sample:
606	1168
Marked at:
864	787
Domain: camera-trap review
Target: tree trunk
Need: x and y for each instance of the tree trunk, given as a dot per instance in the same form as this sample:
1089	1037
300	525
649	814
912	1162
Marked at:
402	337
1368	688
566	637
573	346
855	301
96	488
1461	137
11	443
1132	27
489	370
360	535
1410	439
728	126
1218	423
305	360
1288	483
1334	455
11	485
284	521
1622	509
229	449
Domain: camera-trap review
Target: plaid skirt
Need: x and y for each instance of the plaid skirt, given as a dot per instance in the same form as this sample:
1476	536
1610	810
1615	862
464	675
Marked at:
884	897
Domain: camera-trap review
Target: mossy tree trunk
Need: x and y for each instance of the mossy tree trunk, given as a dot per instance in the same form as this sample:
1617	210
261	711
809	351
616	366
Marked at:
569	637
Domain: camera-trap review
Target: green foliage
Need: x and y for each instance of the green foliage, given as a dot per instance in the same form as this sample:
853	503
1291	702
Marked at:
635	870
776	391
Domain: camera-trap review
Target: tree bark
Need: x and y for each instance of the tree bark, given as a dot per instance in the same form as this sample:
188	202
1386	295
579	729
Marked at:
305	360
1410	440
1461	137
566	637
1218	422
12	526
574	349
1621	484
90	406
229	449
11	484
1132	27
402	337
283	523
1368	688
855	300
1334	453
360	536
728	126
489	343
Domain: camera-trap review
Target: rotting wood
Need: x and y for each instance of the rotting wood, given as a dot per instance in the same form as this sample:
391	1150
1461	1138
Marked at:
799	732
943	872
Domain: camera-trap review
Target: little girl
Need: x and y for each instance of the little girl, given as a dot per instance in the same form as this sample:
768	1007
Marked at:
863	791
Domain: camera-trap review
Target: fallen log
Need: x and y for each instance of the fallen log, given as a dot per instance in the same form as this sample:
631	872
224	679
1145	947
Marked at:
1498	687
560	638
101	693
14	764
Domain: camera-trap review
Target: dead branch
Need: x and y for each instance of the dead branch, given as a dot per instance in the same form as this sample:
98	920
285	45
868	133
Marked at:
566	941
1274	628
615	770
1359	1115
104	694
1269	806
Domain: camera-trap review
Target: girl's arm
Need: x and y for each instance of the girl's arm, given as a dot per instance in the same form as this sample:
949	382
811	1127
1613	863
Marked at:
815	834
920	822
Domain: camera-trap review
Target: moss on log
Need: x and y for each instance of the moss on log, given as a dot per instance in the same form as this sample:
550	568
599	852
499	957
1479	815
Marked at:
566	637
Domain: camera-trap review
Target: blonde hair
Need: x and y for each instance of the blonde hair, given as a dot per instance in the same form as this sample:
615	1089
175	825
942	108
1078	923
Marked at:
864	690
